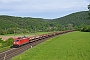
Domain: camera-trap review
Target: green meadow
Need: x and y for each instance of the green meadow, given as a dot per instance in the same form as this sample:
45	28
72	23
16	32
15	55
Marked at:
70	46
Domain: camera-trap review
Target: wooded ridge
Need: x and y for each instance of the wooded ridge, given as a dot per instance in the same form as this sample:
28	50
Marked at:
11	24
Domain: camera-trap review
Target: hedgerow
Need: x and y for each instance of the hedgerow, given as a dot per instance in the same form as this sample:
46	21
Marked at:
8	42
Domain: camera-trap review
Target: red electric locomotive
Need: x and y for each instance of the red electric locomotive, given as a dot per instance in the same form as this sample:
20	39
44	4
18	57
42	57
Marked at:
20	41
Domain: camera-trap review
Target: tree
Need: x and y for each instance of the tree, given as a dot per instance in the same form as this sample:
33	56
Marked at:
85	29
2	32
89	7
89	10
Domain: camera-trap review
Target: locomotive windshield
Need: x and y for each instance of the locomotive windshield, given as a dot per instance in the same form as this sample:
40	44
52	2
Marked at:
16	40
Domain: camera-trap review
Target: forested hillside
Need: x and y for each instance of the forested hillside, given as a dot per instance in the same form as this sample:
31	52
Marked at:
11	24
75	20
78	19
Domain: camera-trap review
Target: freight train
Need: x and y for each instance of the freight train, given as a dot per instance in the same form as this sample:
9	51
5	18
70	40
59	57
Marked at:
24	40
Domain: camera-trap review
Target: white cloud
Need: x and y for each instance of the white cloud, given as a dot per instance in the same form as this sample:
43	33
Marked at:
9	1
37	6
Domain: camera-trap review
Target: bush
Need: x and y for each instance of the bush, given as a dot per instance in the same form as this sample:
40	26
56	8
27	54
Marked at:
1	40
85	29
8	42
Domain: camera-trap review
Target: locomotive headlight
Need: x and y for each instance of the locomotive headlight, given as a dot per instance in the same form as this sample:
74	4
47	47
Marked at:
17	43
14	42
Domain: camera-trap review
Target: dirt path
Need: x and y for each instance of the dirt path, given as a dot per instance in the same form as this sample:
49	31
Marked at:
6	37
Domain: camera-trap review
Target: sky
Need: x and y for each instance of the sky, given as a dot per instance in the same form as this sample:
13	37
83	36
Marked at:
47	9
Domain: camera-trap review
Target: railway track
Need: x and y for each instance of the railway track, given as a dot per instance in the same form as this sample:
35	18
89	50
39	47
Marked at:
7	55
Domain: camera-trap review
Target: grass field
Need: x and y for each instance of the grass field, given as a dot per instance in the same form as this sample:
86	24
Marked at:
4	48
70	46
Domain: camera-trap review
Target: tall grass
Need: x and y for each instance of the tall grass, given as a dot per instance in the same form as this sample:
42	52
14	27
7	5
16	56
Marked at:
70	46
